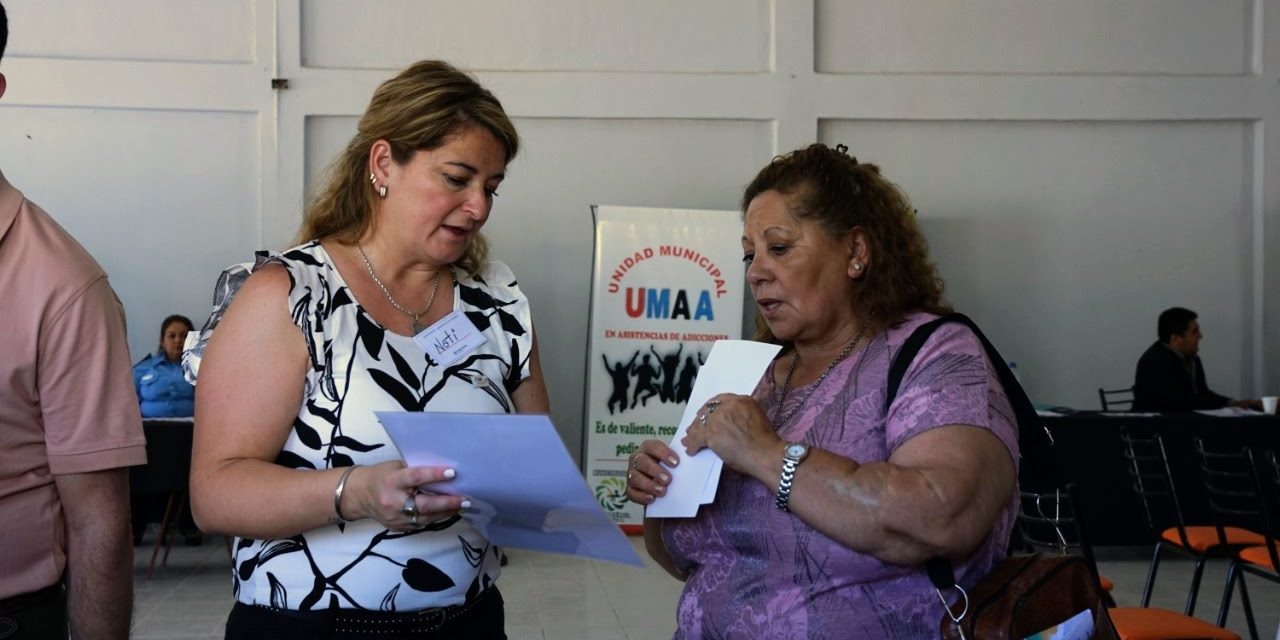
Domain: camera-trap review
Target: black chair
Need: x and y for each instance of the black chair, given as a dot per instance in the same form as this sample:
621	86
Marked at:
1154	485
1237	499
1116	399
1048	522
166	471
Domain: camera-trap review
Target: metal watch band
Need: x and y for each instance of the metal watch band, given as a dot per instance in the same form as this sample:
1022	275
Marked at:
784	484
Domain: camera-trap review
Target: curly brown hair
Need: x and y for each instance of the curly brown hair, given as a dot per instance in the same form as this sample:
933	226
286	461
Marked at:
840	194
418	110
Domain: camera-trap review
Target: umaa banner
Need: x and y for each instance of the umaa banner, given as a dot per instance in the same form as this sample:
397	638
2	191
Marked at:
667	283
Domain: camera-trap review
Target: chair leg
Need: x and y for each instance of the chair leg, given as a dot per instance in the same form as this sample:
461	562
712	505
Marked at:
182	502
1151	575
1225	607
162	538
1248	608
1195	585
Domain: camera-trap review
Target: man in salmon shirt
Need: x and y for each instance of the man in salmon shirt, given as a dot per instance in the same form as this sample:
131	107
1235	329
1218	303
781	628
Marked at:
69	430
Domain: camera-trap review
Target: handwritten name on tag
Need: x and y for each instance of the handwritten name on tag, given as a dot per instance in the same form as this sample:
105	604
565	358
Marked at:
448	340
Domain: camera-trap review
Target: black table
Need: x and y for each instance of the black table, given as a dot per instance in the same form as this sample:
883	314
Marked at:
168	457
168	466
1090	454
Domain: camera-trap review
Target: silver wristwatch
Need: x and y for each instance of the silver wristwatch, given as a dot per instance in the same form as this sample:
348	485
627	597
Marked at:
792	456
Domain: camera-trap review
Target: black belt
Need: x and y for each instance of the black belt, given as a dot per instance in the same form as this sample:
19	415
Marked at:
373	623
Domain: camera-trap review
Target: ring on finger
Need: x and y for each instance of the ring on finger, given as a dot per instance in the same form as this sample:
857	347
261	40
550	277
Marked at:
703	421
410	508
413	520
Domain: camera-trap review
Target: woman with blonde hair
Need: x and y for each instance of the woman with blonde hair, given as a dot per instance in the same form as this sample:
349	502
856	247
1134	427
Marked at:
335	536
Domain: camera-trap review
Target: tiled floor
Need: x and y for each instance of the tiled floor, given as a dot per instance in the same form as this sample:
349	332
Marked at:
553	597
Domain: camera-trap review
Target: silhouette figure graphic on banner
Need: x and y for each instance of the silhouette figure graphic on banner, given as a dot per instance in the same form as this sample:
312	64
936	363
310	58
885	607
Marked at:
684	385
664	377
621	375
645	374
669	362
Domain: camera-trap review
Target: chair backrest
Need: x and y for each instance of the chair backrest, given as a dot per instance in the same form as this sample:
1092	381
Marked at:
1235	484
1113	399
1052	522
1153	484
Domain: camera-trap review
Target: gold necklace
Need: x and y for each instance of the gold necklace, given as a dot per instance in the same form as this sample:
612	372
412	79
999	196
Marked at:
795	359
414	326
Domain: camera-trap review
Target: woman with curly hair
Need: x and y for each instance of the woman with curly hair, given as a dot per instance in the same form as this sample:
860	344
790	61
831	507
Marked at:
834	495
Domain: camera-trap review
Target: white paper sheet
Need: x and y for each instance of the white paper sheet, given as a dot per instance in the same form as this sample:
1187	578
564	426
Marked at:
1229	412
525	491
733	366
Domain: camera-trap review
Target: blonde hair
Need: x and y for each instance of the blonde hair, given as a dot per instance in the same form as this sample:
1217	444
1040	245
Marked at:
418	110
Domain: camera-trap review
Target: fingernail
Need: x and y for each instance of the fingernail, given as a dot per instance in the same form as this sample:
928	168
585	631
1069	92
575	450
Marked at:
664	477
660	489
466	504
673	461
449	474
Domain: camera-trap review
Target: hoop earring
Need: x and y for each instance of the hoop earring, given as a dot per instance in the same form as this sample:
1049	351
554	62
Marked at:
382	192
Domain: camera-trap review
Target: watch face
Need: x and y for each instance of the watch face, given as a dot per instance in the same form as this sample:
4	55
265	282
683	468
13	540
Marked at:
796	450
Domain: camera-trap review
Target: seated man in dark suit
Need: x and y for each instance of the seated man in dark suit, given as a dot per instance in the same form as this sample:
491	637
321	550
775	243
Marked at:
1170	376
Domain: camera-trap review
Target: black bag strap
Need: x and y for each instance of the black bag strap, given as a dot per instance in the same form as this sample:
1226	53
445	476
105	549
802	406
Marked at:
1034	440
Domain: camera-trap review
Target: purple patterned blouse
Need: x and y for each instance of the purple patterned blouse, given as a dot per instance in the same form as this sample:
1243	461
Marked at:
757	572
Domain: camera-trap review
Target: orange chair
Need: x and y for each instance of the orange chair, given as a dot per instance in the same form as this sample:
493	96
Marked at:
1055	519
1236	496
1154	485
1057	513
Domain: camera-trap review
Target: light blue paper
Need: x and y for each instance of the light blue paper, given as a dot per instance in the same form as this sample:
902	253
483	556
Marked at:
526	492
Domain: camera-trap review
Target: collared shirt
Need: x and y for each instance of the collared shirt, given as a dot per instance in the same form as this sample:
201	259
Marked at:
66	397
163	391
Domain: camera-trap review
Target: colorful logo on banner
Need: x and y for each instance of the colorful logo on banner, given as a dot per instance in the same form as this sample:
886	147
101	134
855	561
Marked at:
667	285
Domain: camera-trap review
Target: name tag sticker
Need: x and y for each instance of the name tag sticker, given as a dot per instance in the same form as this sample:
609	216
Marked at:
448	340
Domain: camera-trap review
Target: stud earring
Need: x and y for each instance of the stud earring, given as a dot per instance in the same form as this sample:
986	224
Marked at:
382	191
857	266
373	179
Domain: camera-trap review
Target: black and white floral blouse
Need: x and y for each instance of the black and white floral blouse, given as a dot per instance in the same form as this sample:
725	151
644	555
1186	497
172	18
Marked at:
357	368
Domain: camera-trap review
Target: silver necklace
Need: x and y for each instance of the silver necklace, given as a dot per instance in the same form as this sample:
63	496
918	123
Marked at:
786	383
415	327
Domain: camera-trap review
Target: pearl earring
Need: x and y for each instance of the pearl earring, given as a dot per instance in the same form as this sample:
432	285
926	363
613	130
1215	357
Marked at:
857	266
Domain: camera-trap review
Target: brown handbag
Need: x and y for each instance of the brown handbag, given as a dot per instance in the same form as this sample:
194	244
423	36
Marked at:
1022	595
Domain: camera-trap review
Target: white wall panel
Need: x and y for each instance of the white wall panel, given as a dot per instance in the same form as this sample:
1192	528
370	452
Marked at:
541	223
164	200
1066	240
167	30
730	36
1159	37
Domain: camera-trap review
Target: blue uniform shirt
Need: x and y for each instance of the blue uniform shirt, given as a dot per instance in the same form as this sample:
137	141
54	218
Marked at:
162	391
